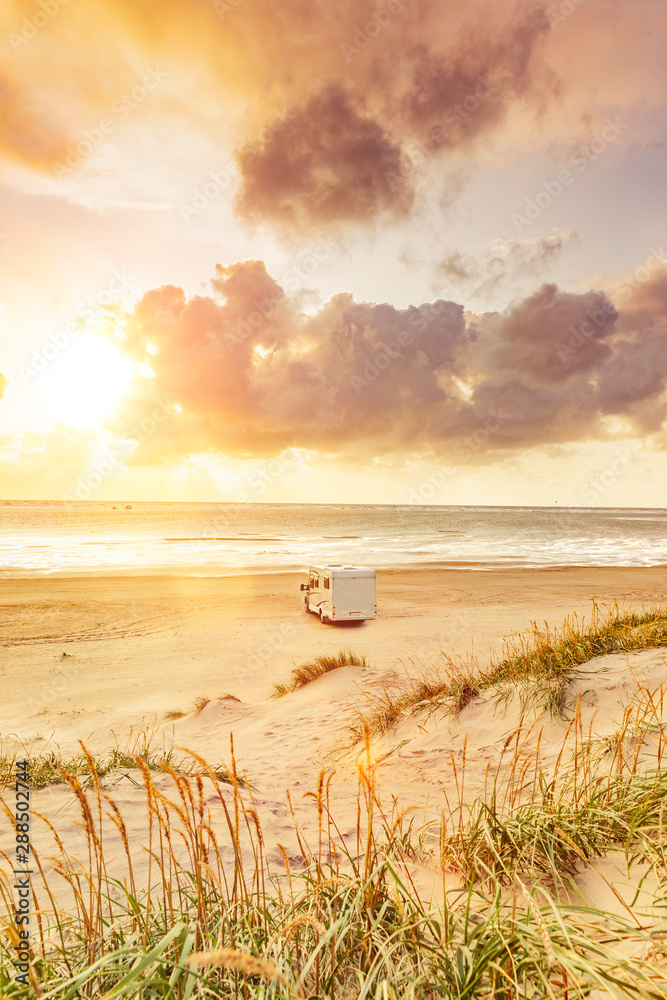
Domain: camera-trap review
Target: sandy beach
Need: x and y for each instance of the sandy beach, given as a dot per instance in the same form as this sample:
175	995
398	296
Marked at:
86	655
100	659
354	294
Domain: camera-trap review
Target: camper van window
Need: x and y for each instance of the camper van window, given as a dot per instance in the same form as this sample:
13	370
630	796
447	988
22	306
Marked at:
326	582
316	580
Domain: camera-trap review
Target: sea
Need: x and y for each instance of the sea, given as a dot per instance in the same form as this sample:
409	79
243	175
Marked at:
213	539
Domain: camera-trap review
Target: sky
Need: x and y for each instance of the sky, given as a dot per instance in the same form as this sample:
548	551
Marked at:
376	251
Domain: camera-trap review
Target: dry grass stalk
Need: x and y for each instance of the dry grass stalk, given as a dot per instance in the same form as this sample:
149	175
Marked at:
549	952
304	920
239	961
382	938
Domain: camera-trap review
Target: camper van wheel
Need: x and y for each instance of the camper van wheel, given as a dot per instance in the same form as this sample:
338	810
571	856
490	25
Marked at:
323	617
305	604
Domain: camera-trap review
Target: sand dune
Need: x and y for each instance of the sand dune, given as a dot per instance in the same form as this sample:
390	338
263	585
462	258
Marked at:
435	764
84	656
431	762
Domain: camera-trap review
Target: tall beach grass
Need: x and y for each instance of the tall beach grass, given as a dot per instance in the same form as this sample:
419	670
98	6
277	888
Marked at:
205	906
538	666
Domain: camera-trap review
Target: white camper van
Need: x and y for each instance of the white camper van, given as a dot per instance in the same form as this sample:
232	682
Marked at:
341	593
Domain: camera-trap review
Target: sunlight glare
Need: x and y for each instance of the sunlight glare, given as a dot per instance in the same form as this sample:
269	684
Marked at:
87	382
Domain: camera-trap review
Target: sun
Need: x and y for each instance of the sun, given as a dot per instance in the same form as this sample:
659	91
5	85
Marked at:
87	382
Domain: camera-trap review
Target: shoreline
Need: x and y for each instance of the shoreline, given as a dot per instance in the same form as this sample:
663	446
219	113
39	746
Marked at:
156	574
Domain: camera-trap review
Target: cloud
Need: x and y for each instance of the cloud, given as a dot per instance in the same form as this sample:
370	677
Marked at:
456	267
436	76
457	94
328	163
535	255
252	374
62	446
28	134
504	260
633	382
50	465
343	154
3	385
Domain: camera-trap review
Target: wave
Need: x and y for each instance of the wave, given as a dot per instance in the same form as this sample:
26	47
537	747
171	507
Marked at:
228	538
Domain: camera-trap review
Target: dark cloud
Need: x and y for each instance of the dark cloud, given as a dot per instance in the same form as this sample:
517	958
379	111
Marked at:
366	85
329	162
633	382
548	338
341	155
252	374
457	94
634	377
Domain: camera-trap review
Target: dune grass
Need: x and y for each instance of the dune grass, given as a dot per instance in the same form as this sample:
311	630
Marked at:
538	667
307	672
547	825
52	767
343	918
201	905
198	705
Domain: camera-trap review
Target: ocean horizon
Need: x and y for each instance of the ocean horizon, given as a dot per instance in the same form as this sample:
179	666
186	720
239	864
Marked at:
65	538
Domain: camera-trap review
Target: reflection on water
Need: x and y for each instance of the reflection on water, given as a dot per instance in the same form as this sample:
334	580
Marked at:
63	538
